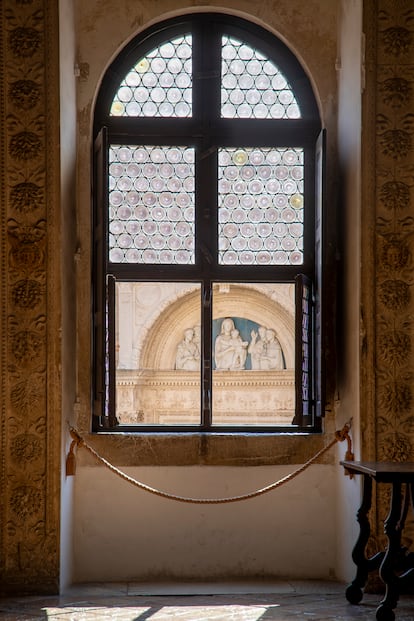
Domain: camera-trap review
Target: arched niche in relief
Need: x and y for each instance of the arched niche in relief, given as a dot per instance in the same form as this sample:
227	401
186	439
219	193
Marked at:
158	350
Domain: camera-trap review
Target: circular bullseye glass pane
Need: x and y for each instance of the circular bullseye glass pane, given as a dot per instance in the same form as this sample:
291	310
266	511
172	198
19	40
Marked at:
152	201
253	84
160	84
256	187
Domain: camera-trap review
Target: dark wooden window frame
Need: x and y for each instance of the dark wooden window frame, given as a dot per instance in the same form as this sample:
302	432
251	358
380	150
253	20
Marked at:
207	132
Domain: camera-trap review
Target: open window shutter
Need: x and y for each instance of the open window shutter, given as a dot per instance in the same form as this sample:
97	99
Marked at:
100	354
109	415
303	330
319	371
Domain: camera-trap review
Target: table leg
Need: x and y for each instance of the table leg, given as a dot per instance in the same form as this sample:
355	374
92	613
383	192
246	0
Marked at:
392	527
353	592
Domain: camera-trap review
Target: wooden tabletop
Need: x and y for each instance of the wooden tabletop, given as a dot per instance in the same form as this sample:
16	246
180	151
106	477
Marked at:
383	471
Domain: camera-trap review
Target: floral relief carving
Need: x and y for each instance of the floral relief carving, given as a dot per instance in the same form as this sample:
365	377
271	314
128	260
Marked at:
396	92
27	345
396	397
395	447
27	293
26	502
27	245
27	396
26	196
24	41
30	538
394	347
395	143
25	146
395	195
394	294
395	254
25	94
25	448
397	40
26	255
394	422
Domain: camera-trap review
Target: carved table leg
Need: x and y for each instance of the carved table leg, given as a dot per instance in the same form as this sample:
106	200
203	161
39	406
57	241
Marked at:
392	527
353	592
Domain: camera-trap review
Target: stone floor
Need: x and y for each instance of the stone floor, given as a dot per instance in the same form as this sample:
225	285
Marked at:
281	601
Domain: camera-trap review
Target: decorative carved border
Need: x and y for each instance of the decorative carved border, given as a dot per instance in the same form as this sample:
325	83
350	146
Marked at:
30	394
387	420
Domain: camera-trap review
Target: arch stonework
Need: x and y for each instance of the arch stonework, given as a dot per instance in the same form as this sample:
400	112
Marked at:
183	311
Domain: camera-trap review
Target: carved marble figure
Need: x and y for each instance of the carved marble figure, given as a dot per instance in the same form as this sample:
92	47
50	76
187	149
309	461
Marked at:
240	350
272	357
188	354
257	347
230	351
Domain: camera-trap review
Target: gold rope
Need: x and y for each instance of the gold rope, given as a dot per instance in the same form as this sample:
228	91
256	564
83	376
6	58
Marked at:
341	435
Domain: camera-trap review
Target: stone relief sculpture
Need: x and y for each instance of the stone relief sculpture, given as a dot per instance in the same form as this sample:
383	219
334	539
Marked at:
272	357
240	350
257	346
188	352
265	352
230	351
229	348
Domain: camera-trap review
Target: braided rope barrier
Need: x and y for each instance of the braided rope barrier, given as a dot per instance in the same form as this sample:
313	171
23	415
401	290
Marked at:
78	441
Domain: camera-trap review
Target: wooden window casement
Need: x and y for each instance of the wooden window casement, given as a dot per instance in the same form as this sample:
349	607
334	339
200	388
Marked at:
208	226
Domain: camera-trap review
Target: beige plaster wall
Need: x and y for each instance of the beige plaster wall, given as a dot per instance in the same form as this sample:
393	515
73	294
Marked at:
140	536
68	142
350	87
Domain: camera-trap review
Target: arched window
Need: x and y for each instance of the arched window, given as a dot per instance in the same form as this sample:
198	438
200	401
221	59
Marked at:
207	233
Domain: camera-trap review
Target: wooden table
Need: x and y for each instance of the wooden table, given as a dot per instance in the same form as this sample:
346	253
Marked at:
396	564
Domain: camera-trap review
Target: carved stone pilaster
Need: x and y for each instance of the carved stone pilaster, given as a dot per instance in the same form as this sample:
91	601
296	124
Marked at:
30	298
388	177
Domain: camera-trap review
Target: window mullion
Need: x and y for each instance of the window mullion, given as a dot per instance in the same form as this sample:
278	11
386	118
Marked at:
206	74
206	106
206	355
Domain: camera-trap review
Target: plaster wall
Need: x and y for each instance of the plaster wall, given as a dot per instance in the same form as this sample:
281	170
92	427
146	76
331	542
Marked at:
121	533
127	534
67	51
350	84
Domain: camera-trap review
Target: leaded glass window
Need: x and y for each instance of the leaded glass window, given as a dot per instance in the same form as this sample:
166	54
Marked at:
151	204
159	84
260	206
204	233
252	85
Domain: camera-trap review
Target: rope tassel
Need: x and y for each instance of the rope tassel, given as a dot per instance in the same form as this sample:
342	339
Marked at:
340	436
71	458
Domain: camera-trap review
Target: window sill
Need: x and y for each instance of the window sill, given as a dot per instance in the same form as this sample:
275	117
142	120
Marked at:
224	449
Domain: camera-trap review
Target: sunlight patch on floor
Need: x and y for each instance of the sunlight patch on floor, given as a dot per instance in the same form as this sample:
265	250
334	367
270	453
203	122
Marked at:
156	613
